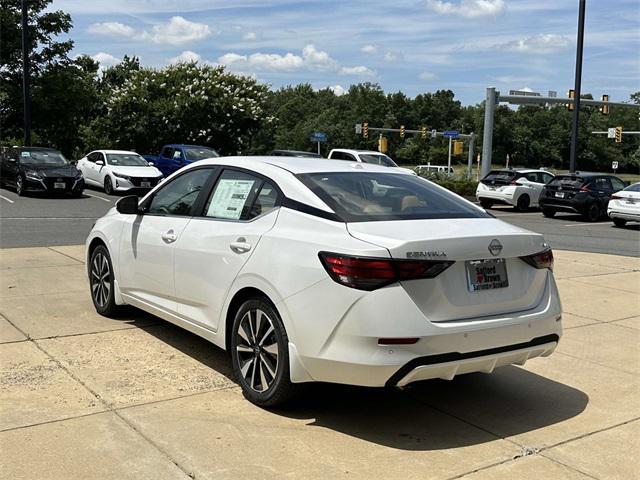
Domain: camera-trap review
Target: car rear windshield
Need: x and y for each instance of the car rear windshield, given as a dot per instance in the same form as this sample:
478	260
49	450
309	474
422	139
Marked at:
126	160
499	177
369	196
42	157
200	153
633	188
567	181
377	160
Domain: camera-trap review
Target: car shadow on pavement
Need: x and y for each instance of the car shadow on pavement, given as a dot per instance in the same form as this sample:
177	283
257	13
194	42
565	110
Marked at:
430	415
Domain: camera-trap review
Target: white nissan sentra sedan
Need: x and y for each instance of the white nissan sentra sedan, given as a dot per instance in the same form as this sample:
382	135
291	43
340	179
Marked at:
307	270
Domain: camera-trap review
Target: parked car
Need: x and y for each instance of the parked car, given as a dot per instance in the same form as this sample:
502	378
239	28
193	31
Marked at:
441	169
294	153
581	192
365	156
39	169
624	206
118	171
308	270
175	156
520	188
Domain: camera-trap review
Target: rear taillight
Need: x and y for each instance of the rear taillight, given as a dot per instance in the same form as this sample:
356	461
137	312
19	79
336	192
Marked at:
616	197
585	188
543	259
367	273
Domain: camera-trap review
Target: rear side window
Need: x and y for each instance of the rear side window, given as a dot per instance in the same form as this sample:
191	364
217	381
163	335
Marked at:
167	152
367	197
617	184
500	177
603	183
342	156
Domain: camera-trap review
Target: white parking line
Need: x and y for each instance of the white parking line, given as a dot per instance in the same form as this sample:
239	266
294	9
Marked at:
47	218
96	196
7	199
591	224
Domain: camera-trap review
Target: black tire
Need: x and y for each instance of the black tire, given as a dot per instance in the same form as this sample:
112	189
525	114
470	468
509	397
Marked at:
20	186
619	222
548	212
253	354
486	204
101	282
593	213
522	205
77	194
108	186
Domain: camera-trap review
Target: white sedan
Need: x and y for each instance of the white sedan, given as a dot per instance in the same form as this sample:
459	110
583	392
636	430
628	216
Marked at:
624	205
118	171
308	270
520	188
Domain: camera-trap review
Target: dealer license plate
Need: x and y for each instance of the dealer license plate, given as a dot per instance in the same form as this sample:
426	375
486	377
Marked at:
59	185
560	194
487	274
631	201
145	184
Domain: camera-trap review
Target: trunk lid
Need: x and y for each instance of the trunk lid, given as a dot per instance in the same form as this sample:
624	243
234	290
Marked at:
448	297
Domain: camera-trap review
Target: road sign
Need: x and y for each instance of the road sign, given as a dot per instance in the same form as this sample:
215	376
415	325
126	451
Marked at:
611	132
358	128
434	133
318	137
614	165
451	134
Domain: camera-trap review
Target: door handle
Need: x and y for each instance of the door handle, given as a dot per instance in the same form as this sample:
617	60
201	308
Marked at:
169	237
240	245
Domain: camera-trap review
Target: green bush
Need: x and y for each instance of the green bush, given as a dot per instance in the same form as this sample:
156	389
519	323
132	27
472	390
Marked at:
456	183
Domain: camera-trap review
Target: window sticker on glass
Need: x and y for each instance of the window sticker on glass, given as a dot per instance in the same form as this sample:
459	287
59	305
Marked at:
229	198
25	154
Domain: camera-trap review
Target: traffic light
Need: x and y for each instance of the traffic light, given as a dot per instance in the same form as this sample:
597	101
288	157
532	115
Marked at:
572	95
618	134
382	144
458	146
365	130
423	132
401	131
604	109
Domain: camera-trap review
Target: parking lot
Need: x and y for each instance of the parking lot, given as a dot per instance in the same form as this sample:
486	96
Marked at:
83	396
41	221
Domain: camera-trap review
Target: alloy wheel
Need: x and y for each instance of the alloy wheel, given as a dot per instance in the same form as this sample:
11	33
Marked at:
108	186
100	280
257	350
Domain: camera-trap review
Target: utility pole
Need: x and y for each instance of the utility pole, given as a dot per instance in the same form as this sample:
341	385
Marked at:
26	90
449	157
577	85
487	141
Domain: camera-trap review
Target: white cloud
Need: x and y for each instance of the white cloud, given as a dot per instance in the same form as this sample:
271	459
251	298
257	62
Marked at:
337	89
467	8
105	60
541	43
393	56
310	58
186	57
426	76
112	29
177	31
360	70
370	49
249	36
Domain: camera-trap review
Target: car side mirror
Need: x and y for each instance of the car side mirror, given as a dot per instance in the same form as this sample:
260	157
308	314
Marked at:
128	205
100	162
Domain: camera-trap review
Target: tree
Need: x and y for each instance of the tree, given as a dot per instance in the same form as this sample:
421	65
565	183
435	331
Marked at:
45	51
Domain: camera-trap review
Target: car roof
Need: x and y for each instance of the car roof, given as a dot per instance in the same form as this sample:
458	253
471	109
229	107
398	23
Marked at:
47	149
349	150
584	174
294	151
519	170
115	151
186	145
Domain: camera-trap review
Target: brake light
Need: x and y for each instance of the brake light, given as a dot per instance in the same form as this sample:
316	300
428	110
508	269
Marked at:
543	259
369	273
513	182
585	188
616	197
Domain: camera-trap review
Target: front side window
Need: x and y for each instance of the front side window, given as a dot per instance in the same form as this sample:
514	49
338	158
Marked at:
199	153
378	160
617	184
240	196
178	196
366	197
126	160
42	157
603	183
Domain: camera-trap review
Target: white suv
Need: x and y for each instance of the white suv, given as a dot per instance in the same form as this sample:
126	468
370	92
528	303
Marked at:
520	188
365	156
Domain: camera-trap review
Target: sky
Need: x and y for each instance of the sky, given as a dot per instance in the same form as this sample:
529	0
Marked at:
413	46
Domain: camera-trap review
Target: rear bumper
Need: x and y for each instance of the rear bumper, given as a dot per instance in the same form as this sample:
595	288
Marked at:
506	197
633	217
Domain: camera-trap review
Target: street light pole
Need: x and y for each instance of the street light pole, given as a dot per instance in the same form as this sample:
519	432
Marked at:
578	82
26	91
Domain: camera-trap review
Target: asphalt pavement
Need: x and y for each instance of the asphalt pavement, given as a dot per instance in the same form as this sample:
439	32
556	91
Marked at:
39	221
